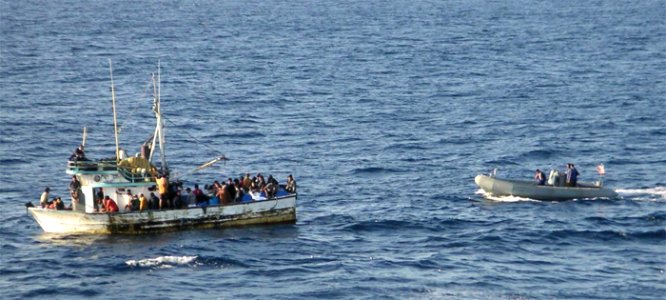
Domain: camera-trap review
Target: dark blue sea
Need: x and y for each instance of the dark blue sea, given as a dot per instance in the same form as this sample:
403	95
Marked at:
384	111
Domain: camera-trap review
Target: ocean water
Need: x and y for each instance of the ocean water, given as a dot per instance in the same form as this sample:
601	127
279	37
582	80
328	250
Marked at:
384	111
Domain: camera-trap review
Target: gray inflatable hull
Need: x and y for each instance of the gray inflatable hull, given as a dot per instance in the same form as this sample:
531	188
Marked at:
529	189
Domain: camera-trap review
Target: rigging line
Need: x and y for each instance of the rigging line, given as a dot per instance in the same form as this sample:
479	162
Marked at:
145	93
195	139
143	96
132	128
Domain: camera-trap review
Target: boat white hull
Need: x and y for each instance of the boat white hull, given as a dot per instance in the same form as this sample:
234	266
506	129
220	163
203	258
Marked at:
279	210
529	189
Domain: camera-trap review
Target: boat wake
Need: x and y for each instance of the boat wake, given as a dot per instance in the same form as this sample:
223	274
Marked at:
648	194
503	198
162	261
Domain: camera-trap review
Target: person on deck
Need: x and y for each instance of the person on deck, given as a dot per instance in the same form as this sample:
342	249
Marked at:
74	187
291	184
44	199
174	196
99	200
110	206
540	177
572	175
133	202
198	194
177	201
163	186
154	201
247	182
78	154
215	188
239	191
261	182
254	186
136	202
272	180
222	195
270	190
230	190
143	203
58	204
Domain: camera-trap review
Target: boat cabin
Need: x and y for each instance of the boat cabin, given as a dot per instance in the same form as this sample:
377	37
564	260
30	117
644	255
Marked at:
114	179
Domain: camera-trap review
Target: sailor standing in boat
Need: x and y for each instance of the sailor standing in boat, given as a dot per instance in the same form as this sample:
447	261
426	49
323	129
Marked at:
572	175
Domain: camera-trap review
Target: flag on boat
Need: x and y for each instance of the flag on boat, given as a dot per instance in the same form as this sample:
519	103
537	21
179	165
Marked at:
601	169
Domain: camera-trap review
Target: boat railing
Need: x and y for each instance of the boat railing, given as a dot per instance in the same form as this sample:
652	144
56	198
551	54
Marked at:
91	166
132	175
136	174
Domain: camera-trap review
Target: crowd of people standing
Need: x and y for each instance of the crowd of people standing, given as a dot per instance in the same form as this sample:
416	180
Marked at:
173	196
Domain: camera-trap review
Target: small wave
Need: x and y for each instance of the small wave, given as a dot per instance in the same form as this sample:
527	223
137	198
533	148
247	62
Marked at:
331	219
658	132
381	225
504	198
406	146
373	170
624	161
539	154
659	192
609	235
501	162
162	261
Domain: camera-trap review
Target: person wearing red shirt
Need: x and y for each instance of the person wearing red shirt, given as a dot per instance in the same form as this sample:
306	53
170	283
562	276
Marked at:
110	206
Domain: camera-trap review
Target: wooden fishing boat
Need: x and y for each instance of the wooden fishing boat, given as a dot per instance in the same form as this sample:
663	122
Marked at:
121	177
549	192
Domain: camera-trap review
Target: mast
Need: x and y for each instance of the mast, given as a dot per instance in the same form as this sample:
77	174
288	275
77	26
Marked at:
159	129
165	168
85	133
115	121
157	116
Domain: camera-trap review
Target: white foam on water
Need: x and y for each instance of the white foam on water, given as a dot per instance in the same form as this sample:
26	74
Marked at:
162	261
654	194
503	198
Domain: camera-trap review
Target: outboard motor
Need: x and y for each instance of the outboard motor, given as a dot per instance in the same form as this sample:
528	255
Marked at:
552	178
561	180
